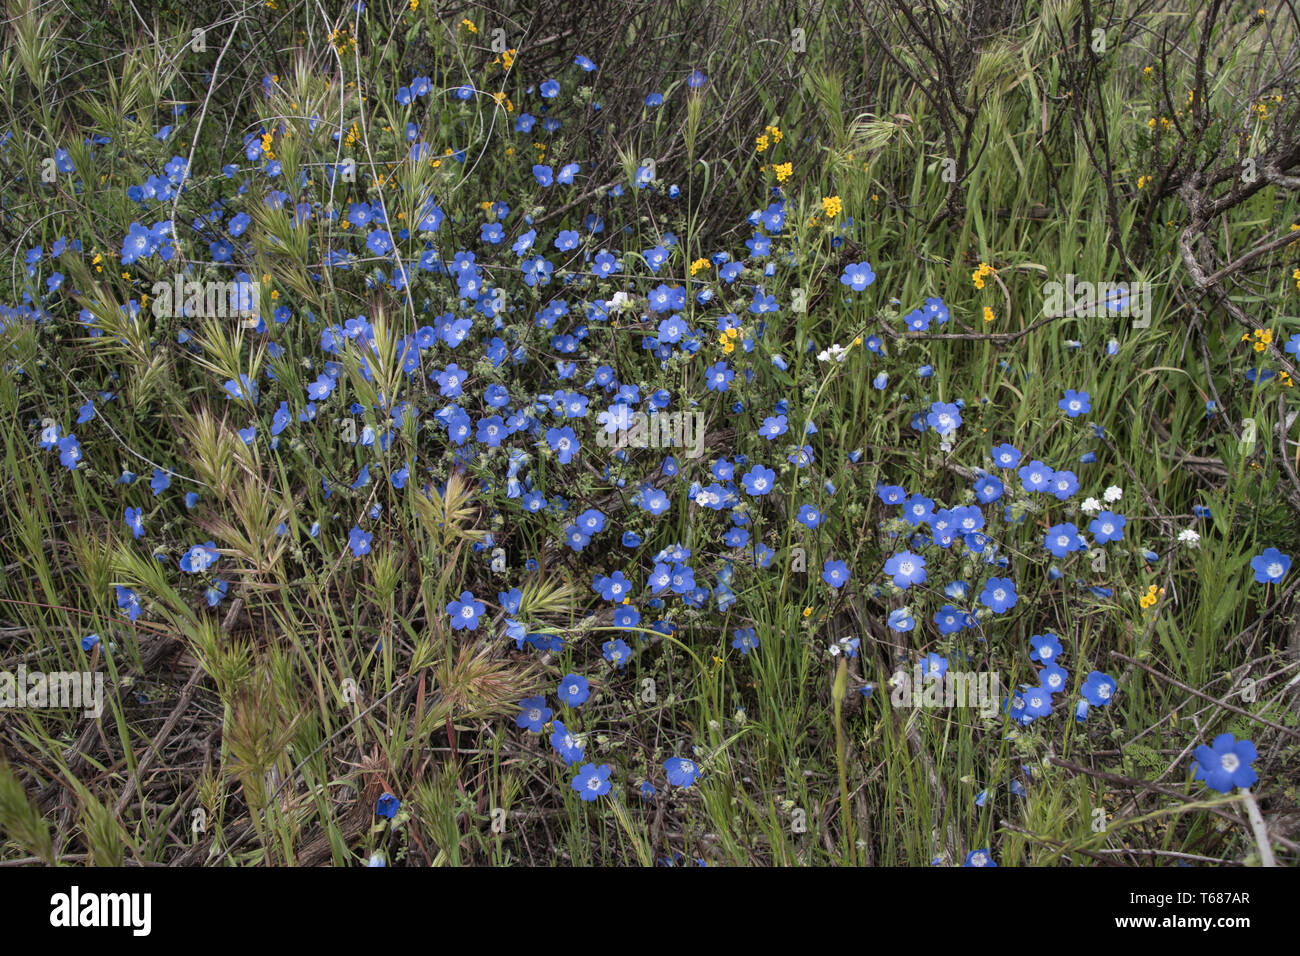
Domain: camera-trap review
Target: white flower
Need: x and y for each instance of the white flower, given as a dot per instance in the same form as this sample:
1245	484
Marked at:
834	352
1190	538
1091	506
620	301
1113	494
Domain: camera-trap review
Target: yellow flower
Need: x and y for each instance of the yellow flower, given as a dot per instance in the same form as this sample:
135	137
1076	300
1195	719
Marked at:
760	144
783	171
807	612
699	264
508	59
415	5
777	135
988	314
1147	70
1143	180
832	206
469	25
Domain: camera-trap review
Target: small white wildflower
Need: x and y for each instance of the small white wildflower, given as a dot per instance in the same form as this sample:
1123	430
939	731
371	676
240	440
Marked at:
1090	506
1190	538
1113	494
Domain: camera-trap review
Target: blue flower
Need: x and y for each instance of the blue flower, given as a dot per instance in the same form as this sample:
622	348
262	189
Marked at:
1046	648
573	690
744	640
89	641
944	417
616	652
1098	688
388	806
949	619
1063	539
592	781
359	541
564	442
533	714
835	573
216	592
69	452
465	612
979	858
566	744
1036	476
129	602
1226	764
199	558
809	516
1075	403
1271	566
681	772
906	569
932	665
1052	678
999	594
1038	703
1107	527
134	520
1006	456
759	480
550	89
858	275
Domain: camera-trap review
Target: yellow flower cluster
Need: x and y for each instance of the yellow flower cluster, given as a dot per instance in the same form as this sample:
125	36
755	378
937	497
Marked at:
469	25
1149	599
266	146
832	206
342	41
699	264
988	314
978	275
728	340
770	136
1295	275
1142	181
1262	338
354	134
783	171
